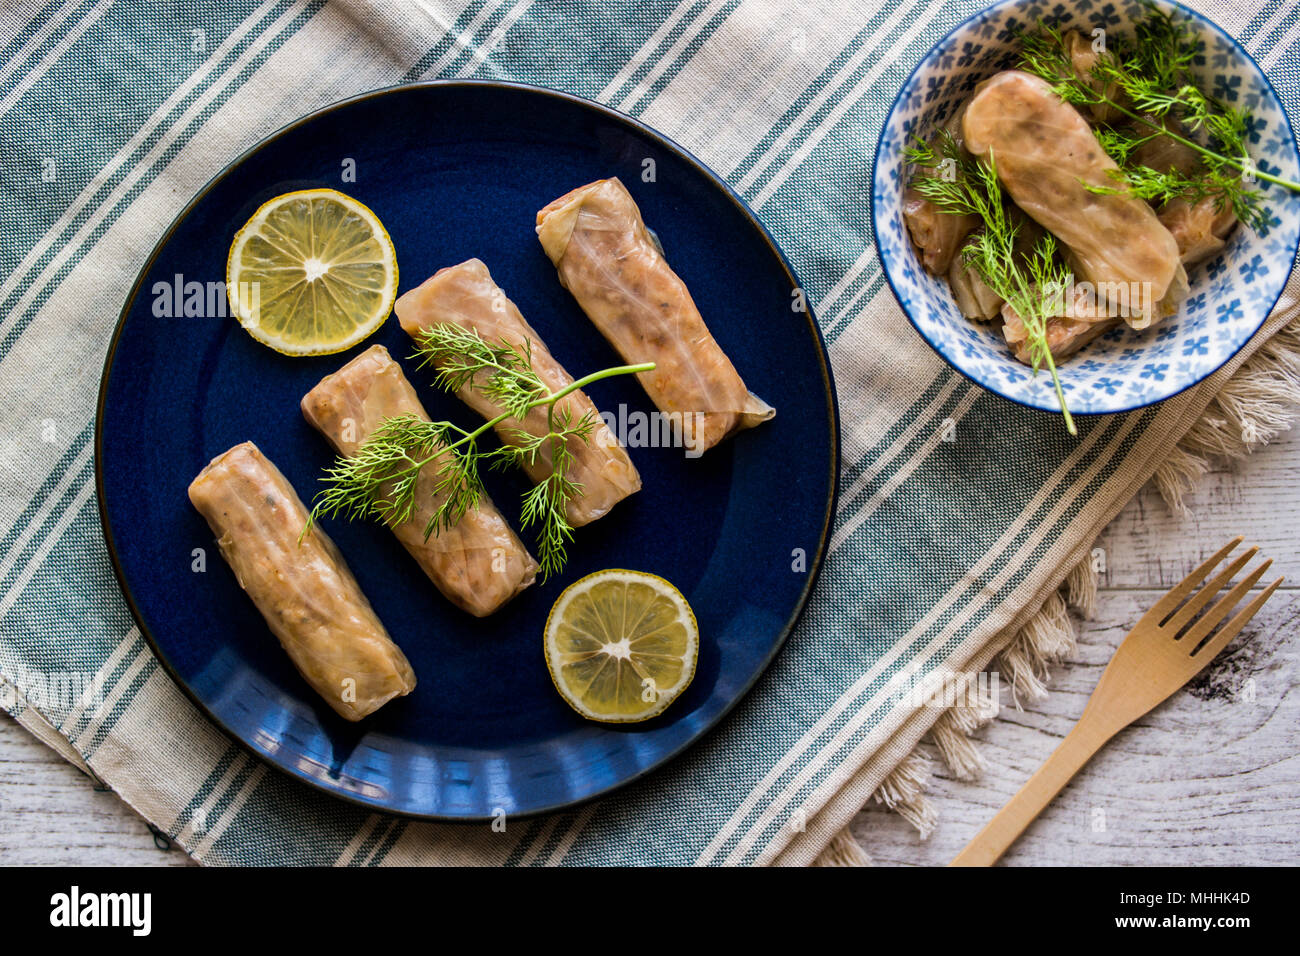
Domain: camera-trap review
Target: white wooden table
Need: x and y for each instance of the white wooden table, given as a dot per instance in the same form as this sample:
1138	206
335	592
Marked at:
1210	777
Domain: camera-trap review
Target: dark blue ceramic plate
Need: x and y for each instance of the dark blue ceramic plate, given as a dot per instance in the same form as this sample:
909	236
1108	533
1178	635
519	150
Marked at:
454	170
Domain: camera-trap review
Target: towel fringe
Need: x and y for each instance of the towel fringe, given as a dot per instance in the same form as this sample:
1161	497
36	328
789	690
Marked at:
903	791
1081	587
1252	408
1047	638
843	850
951	733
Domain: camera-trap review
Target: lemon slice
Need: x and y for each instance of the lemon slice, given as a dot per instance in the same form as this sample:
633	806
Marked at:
313	272
621	645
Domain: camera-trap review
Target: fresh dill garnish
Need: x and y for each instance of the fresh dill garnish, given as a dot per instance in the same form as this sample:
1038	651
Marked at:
501	373
1031	282
381	479
1149	81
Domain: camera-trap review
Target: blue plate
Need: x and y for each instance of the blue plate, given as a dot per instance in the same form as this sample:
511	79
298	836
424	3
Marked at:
454	170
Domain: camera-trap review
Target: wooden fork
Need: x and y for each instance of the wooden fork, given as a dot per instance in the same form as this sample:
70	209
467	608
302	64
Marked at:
1166	649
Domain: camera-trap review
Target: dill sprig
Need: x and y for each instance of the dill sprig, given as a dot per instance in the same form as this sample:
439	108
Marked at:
381	480
1150	82
500	372
1031	282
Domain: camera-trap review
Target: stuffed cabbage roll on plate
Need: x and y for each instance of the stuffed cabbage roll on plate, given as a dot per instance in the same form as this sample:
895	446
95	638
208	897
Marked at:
464	295
300	583
613	267
479	563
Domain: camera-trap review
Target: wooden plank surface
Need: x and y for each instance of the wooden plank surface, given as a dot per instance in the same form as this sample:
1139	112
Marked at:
1211	776
51	813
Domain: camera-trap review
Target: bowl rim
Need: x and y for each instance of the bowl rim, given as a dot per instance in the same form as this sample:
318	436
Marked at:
888	263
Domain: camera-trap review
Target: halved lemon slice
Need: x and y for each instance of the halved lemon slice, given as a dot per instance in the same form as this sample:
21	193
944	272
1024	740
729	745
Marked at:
621	645
313	272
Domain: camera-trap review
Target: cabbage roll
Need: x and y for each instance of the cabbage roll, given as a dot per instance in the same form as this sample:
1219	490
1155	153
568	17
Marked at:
1200	228
1046	156
936	234
465	295
1164	153
1066	334
479	563
306	593
1083	58
607	259
973	296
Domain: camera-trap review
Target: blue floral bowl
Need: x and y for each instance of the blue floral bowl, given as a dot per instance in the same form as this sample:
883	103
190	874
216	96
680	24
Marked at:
1231	293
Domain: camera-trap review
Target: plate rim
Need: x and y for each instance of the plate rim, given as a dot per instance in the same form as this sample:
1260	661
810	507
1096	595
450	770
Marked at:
989	388
665	142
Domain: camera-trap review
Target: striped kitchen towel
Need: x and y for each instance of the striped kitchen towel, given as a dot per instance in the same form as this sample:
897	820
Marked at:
113	113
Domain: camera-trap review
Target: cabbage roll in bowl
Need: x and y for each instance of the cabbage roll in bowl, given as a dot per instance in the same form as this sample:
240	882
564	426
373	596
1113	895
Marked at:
1129	236
1047	158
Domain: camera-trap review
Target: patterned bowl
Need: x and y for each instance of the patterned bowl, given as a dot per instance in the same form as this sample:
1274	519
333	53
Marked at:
1231	293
